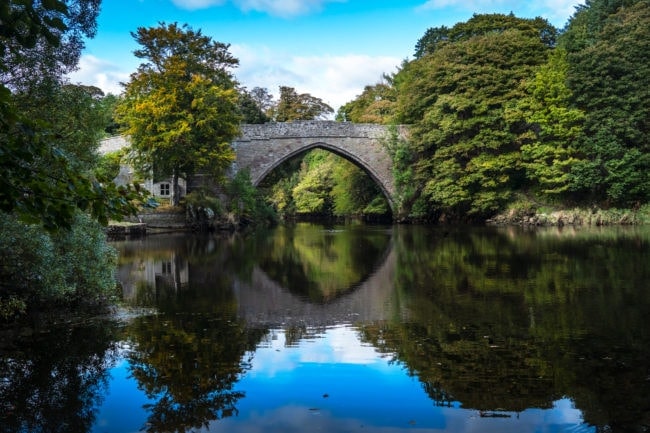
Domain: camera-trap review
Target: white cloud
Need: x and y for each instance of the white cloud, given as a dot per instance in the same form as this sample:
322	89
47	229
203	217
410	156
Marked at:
279	8
556	11
100	73
197	4
284	8
336	79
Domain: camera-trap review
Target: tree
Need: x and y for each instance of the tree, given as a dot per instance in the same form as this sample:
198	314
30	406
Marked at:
293	106
250	109
467	158
376	104
42	41
550	127
480	25
609	75
180	107
41	182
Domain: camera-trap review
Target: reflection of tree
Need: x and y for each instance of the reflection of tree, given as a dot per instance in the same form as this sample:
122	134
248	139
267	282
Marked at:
54	382
510	321
321	265
189	364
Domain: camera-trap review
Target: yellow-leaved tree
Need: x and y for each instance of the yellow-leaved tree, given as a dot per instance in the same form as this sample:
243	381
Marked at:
180	108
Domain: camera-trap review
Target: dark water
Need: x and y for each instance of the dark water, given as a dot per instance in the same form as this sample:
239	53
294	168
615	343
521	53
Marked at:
353	329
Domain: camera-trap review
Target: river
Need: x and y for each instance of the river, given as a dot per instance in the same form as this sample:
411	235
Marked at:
353	328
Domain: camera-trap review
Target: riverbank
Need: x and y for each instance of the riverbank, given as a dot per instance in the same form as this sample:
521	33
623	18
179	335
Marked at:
543	217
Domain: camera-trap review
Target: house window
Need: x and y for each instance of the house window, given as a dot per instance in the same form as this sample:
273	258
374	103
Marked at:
167	268
164	189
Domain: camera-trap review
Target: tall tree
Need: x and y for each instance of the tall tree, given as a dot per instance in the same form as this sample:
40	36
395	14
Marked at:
468	158
180	107
294	106
549	127
250	109
41	182
479	25
376	104
609	74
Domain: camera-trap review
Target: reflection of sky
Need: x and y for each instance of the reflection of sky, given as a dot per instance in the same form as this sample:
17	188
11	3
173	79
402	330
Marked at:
122	409
334	383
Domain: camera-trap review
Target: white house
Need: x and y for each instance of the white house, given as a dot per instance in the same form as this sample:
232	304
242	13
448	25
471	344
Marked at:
160	189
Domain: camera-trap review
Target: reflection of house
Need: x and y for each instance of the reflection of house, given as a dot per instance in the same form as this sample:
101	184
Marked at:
160	274
160	188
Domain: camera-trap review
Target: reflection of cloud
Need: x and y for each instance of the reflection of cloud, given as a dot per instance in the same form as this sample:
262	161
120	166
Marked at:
288	419
338	345
334	79
279	8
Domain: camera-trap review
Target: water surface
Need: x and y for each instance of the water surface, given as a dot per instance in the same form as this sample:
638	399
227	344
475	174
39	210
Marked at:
353	328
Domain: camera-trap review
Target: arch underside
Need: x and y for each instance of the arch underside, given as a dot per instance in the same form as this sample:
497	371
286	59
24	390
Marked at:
335	150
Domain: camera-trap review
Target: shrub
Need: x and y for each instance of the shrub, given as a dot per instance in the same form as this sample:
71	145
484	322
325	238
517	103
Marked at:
68	267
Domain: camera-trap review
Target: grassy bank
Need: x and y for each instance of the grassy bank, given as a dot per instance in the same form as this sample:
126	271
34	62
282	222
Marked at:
532	214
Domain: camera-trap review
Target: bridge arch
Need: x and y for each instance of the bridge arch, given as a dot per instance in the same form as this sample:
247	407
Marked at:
262	148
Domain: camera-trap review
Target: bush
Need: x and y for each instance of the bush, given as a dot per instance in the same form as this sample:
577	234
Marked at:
38	268
202	209
246	202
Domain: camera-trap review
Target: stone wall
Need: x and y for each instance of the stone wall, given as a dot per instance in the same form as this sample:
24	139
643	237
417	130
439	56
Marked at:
164	219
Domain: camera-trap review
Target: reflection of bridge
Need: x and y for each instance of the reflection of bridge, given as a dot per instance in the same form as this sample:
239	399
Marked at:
263	301
261	148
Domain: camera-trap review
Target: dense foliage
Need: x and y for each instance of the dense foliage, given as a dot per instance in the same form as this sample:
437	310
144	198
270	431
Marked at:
52	251
323	184
46	126
181	107
501	107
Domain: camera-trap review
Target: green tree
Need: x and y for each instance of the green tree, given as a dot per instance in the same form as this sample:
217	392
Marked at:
550	127
609	75
312	192
180	107
293	106
374	105
250	109
467	156
480	25
42	182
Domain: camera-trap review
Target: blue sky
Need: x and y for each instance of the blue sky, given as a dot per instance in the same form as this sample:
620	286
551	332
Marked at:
328	48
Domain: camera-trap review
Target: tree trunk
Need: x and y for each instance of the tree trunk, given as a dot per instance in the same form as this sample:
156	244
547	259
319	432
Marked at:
176	195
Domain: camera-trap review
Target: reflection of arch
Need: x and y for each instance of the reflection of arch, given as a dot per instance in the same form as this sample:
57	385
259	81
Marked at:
264	301
261	148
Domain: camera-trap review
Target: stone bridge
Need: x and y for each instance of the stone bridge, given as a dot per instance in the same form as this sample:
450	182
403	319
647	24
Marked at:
262	148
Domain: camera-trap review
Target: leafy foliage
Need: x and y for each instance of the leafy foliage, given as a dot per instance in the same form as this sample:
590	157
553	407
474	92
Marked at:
293	106
467	158
181	107
252	111
68	267
47	129
481	25
609	78
549	127
375	105
53	251
246	201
